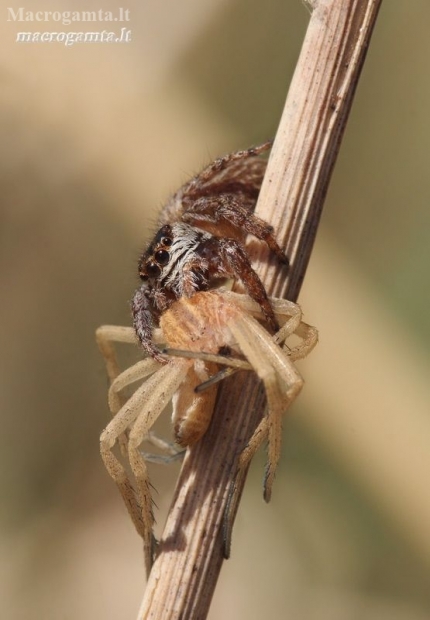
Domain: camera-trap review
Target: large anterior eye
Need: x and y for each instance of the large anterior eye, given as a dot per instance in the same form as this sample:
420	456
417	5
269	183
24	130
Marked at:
162	257
153	270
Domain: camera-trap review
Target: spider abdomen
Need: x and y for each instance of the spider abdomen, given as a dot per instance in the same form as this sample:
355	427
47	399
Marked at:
192	411
199	323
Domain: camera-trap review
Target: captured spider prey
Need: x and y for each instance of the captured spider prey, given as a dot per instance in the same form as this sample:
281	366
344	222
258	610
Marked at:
201	239
200	325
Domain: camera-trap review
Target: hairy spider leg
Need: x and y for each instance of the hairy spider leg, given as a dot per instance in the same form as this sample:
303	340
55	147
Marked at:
241	171
137	415
226	164
140	412
106	335
282	384
209	357
290	316
125	413
270	367
230	216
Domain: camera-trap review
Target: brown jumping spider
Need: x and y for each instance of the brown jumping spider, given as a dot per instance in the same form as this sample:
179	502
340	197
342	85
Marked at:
201	240
201	325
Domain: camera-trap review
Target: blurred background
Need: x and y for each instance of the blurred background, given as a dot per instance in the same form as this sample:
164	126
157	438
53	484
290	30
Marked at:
93	138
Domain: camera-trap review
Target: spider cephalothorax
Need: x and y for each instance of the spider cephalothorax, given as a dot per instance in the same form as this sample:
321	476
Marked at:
201	240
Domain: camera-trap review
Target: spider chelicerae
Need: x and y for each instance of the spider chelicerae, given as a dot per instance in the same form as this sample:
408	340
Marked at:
200	241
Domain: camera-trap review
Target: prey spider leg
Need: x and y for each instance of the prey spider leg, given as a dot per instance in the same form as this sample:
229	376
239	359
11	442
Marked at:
281	380
307	333
272	363
138	414
209	357
133	419
197	329
164	459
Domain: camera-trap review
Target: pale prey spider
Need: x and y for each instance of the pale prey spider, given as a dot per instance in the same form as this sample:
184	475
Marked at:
201	326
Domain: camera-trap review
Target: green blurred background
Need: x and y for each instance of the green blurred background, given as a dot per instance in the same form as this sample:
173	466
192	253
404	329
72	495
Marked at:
93	139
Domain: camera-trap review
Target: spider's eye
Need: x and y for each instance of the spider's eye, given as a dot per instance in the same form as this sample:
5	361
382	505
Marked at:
162	257
143	277
166	241
153	270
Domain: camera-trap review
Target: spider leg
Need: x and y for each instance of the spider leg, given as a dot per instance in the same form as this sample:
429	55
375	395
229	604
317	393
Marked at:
143	323
282	384
228	258
241	171
231	166
163	459
232	365
106	336
209	357
220	376
288	385
116	427
286	312
171	452
294	325
136	372
289	314
309	336
236	264
232	215
139	370
155	394
133	409
192	410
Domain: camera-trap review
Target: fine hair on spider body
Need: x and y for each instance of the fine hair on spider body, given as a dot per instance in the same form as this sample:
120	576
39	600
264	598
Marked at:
203	325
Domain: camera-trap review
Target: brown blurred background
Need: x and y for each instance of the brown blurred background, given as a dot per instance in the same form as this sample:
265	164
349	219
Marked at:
93	138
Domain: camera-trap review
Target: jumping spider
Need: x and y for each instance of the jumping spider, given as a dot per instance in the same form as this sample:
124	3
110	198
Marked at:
201	240
206	322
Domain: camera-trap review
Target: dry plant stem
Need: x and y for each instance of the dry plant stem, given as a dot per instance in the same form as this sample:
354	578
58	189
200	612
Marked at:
185	574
